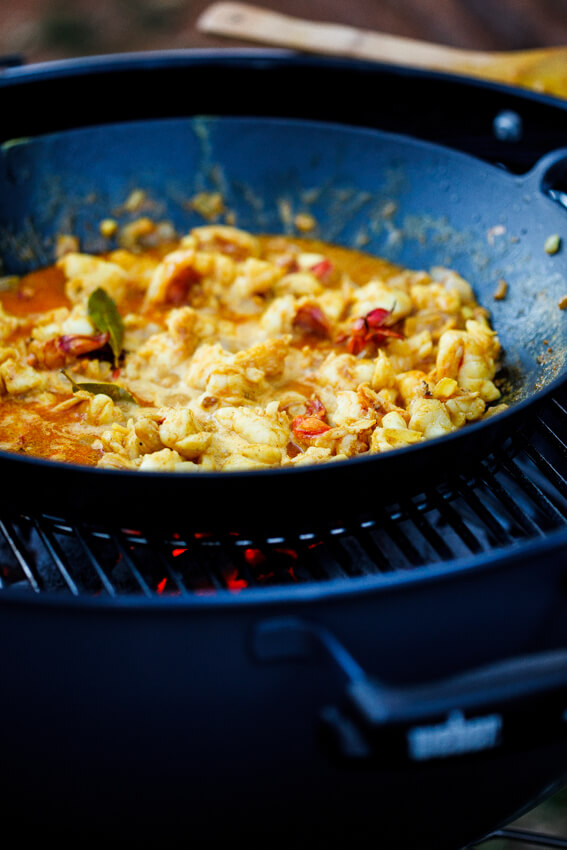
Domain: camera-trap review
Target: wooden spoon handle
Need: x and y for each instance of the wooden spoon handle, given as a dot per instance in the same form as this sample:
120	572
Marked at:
241	20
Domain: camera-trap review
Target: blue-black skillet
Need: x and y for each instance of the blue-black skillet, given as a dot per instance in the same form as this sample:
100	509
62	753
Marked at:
414	202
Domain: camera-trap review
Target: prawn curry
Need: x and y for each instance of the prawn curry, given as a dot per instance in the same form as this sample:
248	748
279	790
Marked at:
224	350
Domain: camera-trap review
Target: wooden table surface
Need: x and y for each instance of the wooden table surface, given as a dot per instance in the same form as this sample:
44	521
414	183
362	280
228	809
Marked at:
52	29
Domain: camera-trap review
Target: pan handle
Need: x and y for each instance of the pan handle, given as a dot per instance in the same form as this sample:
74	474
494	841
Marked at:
549	176
516	703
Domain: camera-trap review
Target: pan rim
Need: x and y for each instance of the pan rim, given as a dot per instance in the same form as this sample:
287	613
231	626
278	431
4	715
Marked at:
18	72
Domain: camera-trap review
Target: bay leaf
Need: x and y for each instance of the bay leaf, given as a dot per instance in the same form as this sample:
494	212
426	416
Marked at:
113	391
104	315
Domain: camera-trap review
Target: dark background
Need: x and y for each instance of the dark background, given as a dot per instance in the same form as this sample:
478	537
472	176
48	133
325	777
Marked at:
53	29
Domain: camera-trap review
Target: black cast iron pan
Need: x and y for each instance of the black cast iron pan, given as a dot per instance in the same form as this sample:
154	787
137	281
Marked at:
416	203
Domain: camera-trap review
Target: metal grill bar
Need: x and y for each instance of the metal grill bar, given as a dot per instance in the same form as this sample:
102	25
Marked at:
449	520
82	536
22	560
52	547
538	495
521	518
172	582
499	529
428	528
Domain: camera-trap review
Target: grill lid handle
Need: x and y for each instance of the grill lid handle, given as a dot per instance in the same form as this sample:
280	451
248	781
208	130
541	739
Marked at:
517	702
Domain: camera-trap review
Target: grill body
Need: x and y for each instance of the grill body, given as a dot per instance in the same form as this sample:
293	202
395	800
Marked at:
138	695
147	718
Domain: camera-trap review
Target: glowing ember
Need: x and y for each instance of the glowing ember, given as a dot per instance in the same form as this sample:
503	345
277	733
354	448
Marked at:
287	553
234	582
269	567
254	557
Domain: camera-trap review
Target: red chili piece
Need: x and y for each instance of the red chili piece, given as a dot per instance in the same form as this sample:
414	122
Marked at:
77	344
371	329
322	270
311	319
311	423
56	352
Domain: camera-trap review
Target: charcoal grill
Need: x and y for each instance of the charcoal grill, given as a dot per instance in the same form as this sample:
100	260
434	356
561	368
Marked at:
172	686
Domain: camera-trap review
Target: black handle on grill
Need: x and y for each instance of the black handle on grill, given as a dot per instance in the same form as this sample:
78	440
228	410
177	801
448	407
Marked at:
513	704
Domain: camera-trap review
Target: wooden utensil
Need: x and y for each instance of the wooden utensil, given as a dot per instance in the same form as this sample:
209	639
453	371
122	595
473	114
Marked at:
542	69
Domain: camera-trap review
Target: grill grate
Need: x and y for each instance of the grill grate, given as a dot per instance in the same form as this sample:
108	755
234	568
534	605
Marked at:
517	494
